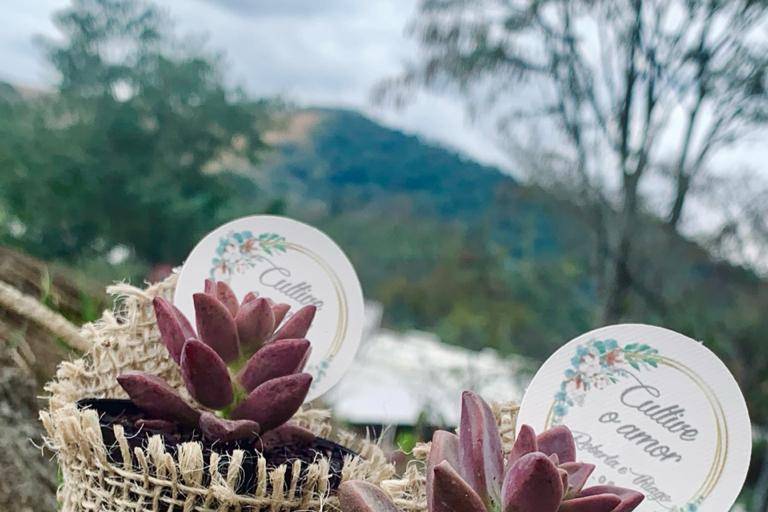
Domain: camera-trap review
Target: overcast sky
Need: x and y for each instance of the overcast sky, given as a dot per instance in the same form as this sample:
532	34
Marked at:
325	53
315	52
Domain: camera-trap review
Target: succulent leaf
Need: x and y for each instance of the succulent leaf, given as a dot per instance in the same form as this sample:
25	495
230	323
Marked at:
452	493
255	322
273	360
578	474
280	310
532	484
596	503
297	325
225	430
525	443
156	424
285	435
480	451
227	297
206	375
445	448
171	331
248	298
629	499
210	287
558	440
186	327
274	402
216	327
360	496
156	398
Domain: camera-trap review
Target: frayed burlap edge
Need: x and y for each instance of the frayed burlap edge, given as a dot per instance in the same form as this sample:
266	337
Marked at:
150	479
410	492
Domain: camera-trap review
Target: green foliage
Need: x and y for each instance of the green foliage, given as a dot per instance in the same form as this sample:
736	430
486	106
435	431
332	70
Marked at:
134	147
492	263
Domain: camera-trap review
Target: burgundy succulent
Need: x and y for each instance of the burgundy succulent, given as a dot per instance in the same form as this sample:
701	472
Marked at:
242	366
469	473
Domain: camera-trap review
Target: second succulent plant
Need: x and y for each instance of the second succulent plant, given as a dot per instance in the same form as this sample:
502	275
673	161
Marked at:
242	367
471	473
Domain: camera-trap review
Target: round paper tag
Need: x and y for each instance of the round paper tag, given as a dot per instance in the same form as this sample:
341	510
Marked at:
654	410
289	262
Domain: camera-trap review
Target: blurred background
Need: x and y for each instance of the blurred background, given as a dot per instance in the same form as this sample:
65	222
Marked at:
504	175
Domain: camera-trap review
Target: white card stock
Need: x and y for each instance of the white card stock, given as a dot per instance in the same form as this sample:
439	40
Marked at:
654	410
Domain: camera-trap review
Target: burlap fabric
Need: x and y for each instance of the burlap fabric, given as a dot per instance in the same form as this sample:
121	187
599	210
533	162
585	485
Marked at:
150	478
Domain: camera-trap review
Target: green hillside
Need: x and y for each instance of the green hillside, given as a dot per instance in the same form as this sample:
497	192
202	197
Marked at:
449	245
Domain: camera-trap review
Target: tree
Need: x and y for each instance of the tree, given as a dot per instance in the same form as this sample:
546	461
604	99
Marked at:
636	91
134	149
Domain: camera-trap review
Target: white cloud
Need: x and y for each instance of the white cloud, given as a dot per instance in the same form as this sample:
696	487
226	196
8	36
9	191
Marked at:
328	53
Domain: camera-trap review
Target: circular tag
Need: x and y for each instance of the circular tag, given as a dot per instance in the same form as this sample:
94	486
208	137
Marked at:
654	410
291	262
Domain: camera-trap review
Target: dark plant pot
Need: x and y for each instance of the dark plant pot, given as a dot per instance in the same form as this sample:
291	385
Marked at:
123	412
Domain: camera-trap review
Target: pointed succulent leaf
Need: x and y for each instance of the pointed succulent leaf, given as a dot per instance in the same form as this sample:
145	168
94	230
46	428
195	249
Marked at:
525	443
280	310
227	297
297	325
596	503
453	494
276	359
445	447
156	398
480	451
219	429
216	326
171	330
532	484
360	496
255	323
630	499
250	296
274	402
578	474
558	440
564	478
285	435
210	287
156	425
186	327
205	375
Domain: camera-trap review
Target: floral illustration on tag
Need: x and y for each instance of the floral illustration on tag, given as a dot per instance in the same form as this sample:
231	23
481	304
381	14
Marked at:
240	251
598	364
693	506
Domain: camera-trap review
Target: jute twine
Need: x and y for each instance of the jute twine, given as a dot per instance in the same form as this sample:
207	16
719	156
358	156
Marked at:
29	307
150	478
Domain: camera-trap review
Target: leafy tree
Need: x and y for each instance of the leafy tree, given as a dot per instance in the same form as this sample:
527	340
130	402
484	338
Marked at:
137	146
636	91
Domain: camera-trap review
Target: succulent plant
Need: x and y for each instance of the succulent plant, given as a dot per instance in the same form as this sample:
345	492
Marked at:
470	473
241	366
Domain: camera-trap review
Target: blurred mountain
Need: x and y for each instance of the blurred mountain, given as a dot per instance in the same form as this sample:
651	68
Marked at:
453	246
336	162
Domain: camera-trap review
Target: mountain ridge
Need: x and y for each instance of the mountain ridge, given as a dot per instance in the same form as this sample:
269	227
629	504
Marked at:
429	229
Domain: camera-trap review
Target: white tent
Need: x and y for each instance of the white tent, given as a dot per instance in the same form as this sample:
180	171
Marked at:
397	377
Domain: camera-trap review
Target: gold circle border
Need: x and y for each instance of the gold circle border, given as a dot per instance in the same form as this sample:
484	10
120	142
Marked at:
341	297
721	448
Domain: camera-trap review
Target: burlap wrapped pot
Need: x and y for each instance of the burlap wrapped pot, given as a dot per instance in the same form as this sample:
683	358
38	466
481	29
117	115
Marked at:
149	478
